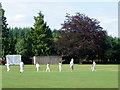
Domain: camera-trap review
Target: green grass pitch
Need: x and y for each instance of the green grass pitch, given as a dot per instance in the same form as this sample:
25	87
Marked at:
106	76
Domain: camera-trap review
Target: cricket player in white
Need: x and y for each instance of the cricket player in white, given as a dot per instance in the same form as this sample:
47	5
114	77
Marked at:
60	66
21	66
47	68
94	66
71	64
8	67
37	67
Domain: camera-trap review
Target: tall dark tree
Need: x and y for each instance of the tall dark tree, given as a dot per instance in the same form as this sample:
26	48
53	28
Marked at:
5	35
0	30
81	36
41	37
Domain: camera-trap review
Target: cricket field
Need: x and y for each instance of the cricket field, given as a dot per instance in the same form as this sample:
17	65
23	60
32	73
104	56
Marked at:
106	76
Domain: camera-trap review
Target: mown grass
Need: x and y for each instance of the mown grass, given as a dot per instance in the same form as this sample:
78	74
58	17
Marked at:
106	76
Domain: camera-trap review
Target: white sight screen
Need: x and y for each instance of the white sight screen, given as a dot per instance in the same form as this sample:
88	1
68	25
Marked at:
13	59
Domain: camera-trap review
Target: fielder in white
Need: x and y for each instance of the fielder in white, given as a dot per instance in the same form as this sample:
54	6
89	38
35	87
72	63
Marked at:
8	67
21	67
71	64
37	67
47	68
60	66
94	66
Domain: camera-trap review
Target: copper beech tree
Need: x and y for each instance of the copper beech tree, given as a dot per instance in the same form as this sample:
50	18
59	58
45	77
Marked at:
81	36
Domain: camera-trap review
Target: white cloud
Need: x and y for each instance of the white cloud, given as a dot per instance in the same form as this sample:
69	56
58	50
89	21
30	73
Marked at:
106	20
19	17
113	33
16	18
17	24
110	24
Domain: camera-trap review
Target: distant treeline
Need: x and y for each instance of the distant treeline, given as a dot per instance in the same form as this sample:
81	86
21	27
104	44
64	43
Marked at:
111	55
19	33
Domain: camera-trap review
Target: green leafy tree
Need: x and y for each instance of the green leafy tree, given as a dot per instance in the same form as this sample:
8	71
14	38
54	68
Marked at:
55	34
20	47
12	43
113	52
41	37
18	43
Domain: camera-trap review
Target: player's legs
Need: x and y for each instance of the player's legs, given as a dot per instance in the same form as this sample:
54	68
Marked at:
21	69
95	68
37	69
72	68
92	68
48	69
60	68
8	69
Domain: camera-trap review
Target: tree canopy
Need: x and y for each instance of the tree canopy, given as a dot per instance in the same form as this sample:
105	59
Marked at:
81	36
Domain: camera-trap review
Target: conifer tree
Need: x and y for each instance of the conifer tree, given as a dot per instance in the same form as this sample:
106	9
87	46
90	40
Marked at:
0	30
5	34
41	37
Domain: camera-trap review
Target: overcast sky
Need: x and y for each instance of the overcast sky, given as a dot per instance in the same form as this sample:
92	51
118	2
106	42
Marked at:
20	13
